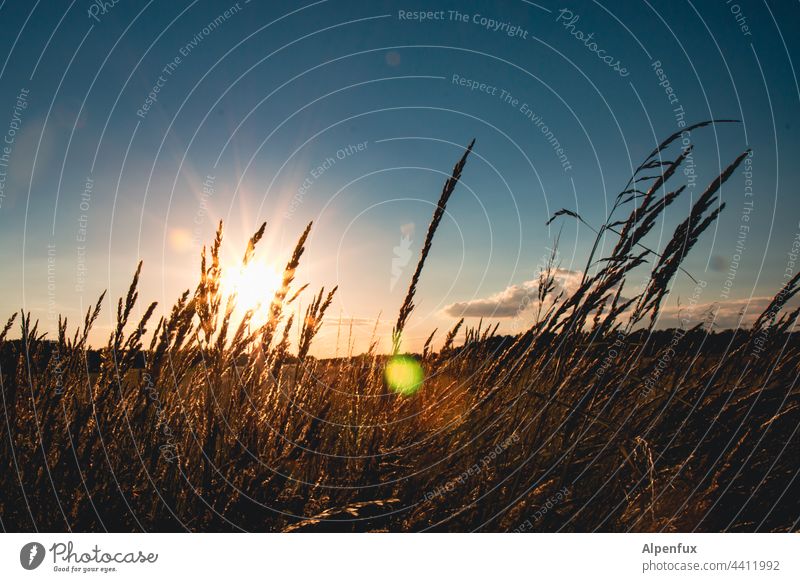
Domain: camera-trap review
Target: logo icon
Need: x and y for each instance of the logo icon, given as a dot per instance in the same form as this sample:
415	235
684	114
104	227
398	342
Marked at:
31	555
402	254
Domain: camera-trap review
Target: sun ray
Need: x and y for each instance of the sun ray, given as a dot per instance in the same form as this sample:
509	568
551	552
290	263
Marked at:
253	286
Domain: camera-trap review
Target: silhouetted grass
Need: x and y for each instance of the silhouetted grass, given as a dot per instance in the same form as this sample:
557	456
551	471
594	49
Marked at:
230	426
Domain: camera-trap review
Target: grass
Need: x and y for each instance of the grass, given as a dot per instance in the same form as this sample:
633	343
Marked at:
589	419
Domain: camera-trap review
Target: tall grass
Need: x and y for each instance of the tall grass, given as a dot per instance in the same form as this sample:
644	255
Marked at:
230	426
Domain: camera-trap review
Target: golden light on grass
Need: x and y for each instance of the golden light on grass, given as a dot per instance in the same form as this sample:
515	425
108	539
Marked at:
322	422
404	375
254	286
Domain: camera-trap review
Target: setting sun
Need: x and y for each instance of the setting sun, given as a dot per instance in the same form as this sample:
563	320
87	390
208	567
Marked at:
254	286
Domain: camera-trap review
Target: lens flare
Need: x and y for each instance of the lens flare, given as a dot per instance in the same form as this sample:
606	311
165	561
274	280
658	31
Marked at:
404	375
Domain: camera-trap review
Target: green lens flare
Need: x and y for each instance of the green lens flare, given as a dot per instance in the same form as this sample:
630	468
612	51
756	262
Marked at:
404	375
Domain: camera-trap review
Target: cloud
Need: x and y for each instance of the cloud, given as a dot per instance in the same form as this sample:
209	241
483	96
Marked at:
514	300
519	300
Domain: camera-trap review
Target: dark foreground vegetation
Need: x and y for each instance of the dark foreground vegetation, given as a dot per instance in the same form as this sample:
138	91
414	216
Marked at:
585	421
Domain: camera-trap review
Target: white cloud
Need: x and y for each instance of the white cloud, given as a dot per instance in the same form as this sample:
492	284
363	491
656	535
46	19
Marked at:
514	300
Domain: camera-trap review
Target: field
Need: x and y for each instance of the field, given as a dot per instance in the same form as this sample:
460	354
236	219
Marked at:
588	420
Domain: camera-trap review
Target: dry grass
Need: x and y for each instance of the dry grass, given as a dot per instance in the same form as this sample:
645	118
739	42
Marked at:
231	427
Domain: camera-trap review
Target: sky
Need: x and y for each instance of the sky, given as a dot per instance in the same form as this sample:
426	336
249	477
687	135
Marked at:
131	128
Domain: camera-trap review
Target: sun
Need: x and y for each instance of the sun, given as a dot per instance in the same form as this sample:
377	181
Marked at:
254	286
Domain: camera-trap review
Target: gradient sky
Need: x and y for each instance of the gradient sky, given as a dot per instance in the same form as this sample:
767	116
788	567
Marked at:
263	94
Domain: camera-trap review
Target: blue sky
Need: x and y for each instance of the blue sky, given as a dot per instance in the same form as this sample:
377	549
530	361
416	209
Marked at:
262	95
